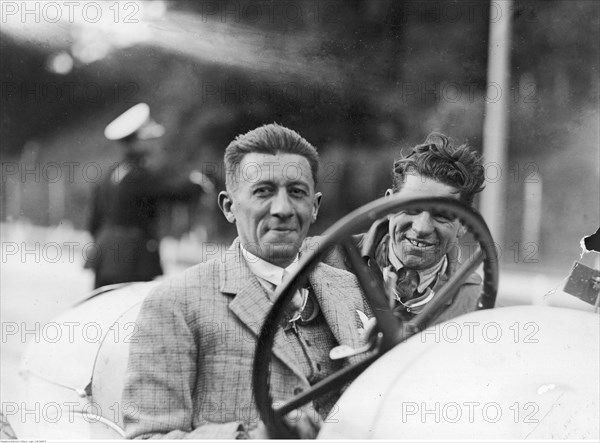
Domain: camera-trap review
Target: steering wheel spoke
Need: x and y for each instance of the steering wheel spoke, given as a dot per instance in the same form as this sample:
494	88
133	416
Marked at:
374	291
334	381
421	320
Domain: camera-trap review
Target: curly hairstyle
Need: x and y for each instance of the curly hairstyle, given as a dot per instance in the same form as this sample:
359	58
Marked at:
268	139
438	158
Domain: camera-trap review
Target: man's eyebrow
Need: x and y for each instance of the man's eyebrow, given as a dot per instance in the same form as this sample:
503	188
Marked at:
270	182
298	182
263	182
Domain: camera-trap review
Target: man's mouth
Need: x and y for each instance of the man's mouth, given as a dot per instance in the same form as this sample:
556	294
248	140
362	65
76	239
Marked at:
419	243
282	229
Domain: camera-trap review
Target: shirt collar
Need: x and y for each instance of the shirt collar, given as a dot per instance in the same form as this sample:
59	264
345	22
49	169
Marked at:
426	276
265	270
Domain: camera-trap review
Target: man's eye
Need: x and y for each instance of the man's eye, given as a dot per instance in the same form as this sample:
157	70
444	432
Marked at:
262	191
298	192
443	217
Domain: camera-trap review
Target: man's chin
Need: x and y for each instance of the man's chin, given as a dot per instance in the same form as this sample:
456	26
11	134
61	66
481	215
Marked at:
280	252
418	262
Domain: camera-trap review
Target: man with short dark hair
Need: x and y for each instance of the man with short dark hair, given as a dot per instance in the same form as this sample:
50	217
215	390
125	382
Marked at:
190	365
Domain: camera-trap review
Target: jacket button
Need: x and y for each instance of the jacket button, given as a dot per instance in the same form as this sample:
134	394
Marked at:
298	391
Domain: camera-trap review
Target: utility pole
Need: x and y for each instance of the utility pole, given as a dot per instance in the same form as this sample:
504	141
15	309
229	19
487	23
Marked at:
495	126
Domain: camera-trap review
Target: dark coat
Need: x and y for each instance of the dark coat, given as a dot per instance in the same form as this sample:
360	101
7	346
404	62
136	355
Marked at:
123	224
374	249
463	301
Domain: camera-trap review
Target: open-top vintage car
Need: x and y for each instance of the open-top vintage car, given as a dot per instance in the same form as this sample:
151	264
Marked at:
514	372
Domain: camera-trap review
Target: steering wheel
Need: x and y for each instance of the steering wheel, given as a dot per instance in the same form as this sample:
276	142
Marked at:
391	329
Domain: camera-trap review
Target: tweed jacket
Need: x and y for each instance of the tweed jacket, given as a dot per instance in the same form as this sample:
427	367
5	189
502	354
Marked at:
190	365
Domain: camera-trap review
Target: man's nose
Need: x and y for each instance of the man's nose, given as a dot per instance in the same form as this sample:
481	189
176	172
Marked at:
422	223
281	206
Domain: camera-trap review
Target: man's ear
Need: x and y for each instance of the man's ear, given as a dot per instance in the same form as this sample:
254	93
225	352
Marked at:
226	205
316	205
389	192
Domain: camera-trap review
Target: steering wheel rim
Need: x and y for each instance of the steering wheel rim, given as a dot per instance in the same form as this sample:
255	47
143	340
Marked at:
393	330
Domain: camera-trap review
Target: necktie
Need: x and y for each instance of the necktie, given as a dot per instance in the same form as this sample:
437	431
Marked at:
406	284
298	299
302	308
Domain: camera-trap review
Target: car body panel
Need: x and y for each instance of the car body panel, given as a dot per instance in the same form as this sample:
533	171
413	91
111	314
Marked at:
522	372
536	366
57	398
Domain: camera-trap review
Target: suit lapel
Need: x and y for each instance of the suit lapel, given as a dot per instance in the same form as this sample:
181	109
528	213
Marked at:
441	282
453	264
339	314
251	303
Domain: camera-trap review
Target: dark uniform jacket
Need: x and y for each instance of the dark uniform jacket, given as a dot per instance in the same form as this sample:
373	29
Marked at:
123	224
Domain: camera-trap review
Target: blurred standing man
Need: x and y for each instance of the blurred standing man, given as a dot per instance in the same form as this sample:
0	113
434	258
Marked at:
190	365
125	203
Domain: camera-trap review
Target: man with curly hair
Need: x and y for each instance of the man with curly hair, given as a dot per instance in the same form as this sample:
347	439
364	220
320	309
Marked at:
418	250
